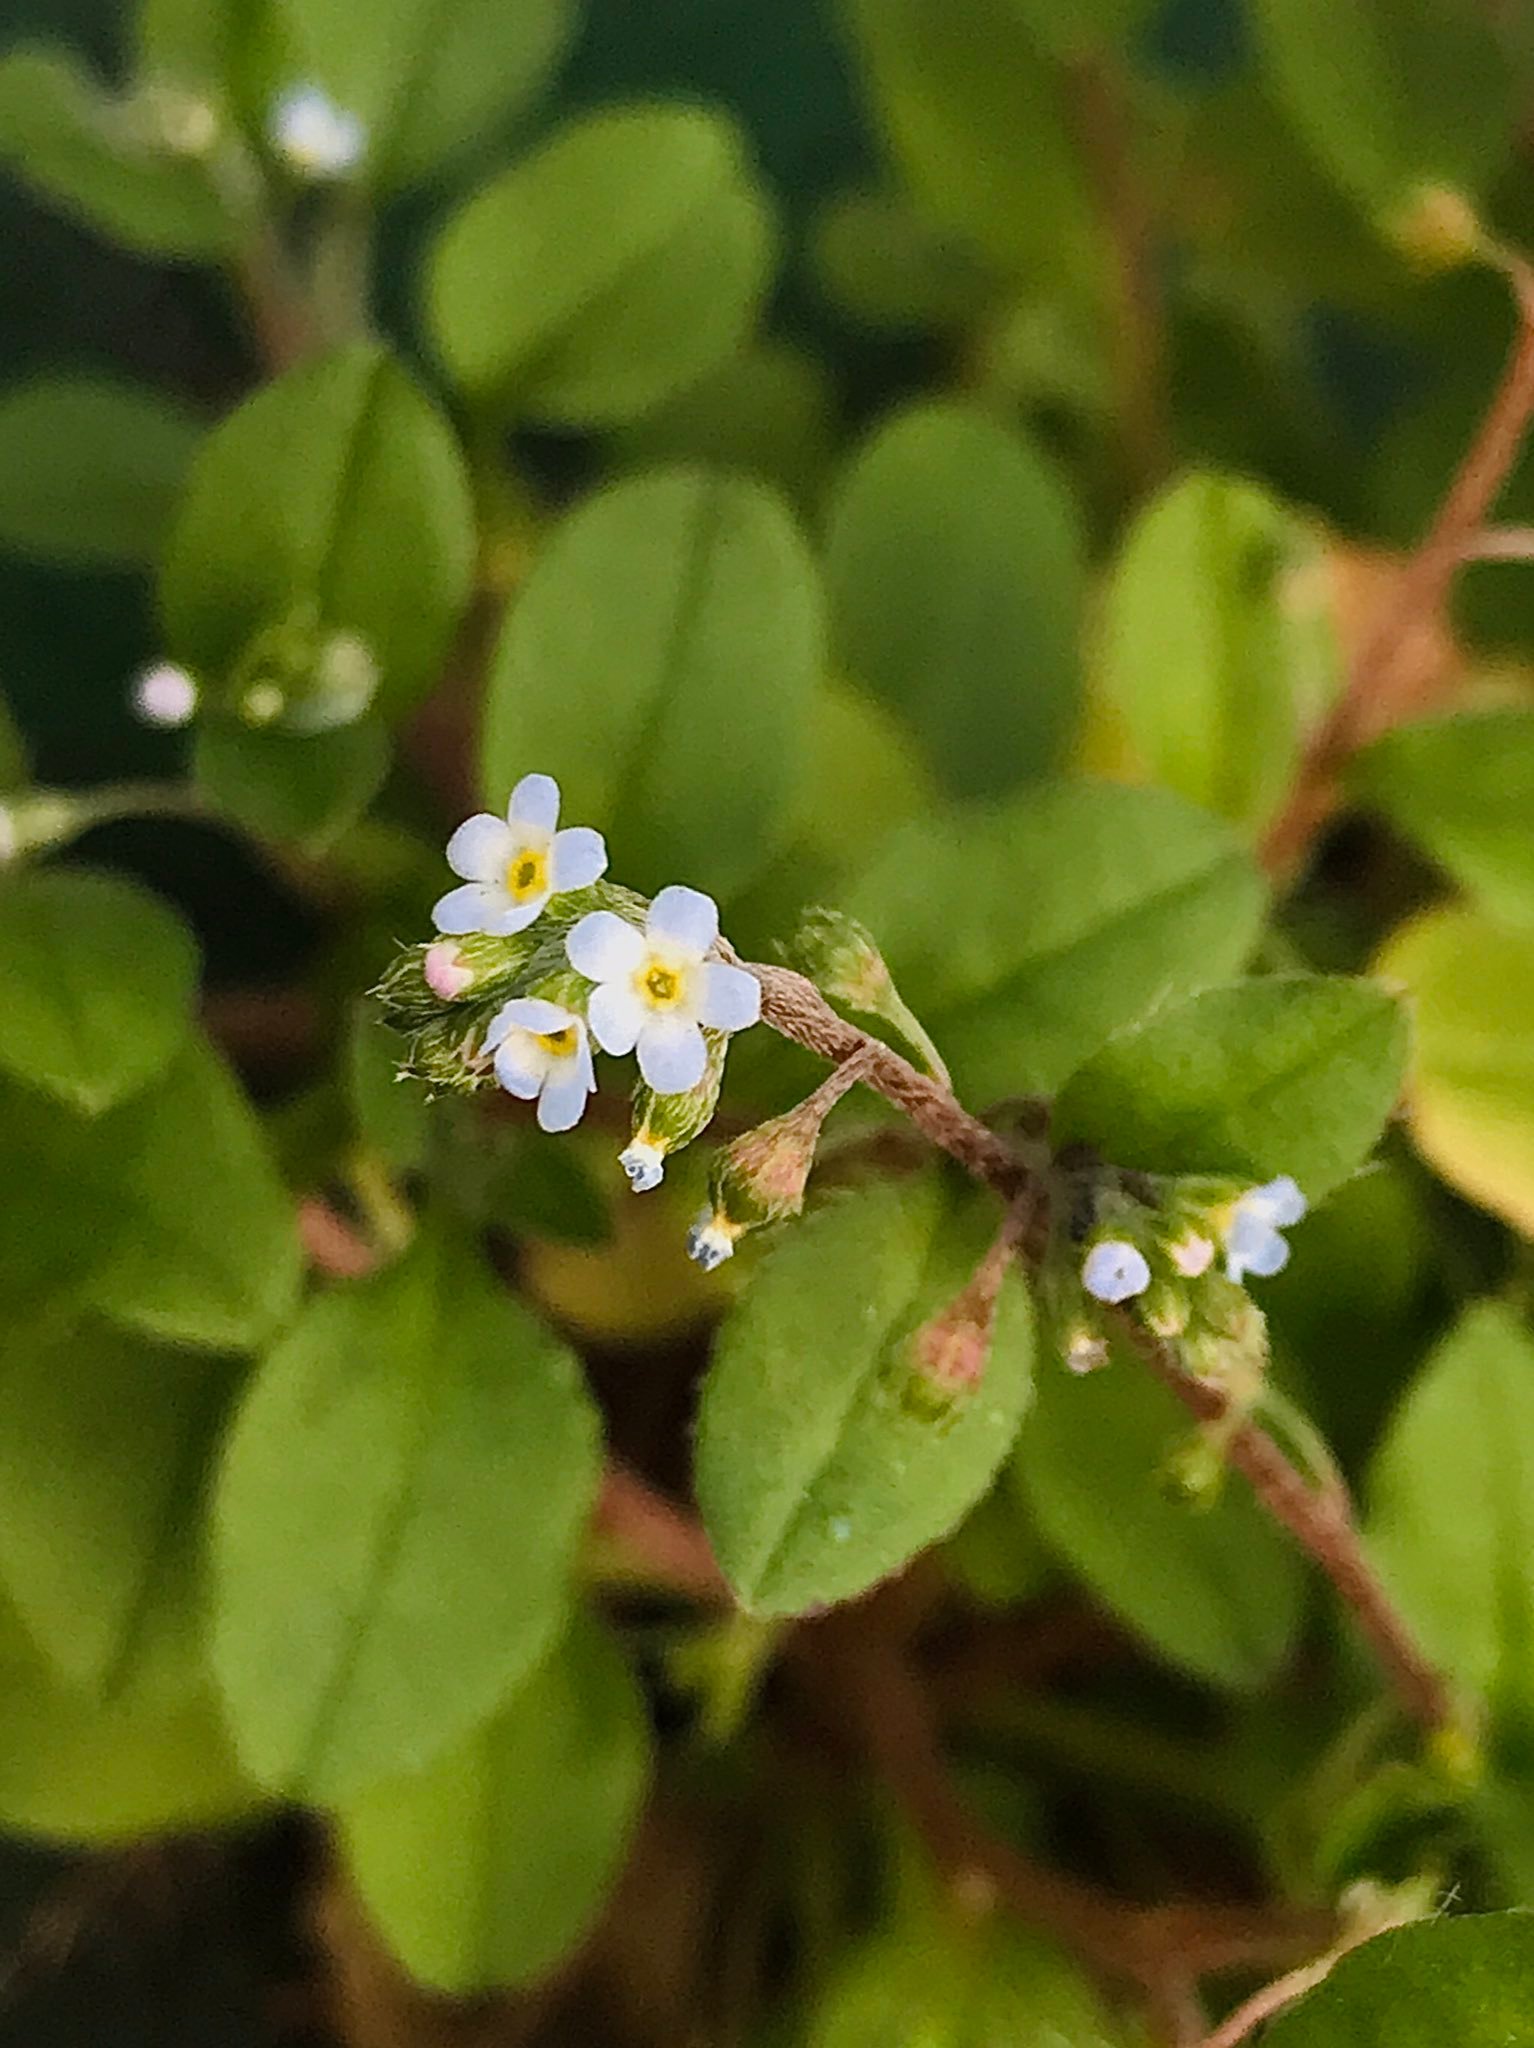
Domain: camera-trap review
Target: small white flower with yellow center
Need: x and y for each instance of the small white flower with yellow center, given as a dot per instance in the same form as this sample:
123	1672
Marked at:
542	1055
657	989
511	866
315	137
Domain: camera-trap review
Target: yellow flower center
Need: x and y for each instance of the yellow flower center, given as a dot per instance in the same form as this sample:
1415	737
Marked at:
561	1043
526	874
660	986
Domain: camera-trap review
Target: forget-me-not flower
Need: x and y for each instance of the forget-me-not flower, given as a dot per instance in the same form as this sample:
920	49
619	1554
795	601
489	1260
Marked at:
314	136
1115	1271
1252	1240
511	866
656	989
541	1053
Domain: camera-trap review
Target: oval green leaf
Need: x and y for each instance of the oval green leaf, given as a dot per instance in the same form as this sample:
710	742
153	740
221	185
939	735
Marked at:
485	1869
1024	936
820	1468
300	789
606	272
1292	1074
99	978
1469	1981
955	575
395	1524
661	663
90	471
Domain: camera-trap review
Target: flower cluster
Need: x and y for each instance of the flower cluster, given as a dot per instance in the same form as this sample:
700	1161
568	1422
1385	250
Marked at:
1249	1227
541	960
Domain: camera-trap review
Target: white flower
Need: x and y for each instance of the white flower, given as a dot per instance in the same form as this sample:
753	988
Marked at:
645	1166
164	695
656	989
1115	1271
513	865
711	1240
1252	1240
314	136
541	1052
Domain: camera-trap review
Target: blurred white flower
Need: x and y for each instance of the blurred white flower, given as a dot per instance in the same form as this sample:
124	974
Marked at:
1253	1243
656	989
541	1055
314	136
645	1166
711	1240
513	865
1115	1271
164	695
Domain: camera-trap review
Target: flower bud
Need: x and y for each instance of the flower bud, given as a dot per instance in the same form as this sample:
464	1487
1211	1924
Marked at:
1085	1350
711	1240
425	978
841	957
1437	228
663	1124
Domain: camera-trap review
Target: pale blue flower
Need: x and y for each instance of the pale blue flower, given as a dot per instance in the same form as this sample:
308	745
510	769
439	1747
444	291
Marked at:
314	136
1115	1271
1253	1243
511	866
711	1240
657	989
645	1166
541	1054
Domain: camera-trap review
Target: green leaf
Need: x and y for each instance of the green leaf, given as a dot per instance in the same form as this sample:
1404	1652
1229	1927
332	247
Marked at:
104	1445
395	1525
1470	1092
334	500
1468	1980
1083	28
99	978
206	1252
1463	789
429	78
1293	1074
143	1762
608	271
820	1468
766	411
1451	1505
1215	1590
486	1868
1393	94
1024	936
393	1119
1214	654
85	150
971	110
299	789
535	1189
90	471
54	1212
661	663
941	1982
955	574
881	262
14	766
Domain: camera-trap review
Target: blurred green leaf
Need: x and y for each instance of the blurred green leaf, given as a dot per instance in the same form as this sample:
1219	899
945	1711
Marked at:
105	1442
971	109
1467	1980
14	766
1394	94
765	411
334	500
1217	1590
395	1524
1289	1074
821	1463
99	978
141	1763
955	574
392	1118
54	1212
486	1868
535	1189
1470	1091
1214	653
1463	788
205	1251
881	262
89	470
661	663
1451	1510
429	78
88	152
605	273
1082	28
1025	935
299	789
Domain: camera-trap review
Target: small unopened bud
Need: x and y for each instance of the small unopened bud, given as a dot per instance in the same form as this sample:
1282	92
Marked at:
1437	228
842	958
477	968
712	1239
1085	1351
164	695
645	1164
446	973
949	1353
762	1176
1165	1310
1192	1255
663	1124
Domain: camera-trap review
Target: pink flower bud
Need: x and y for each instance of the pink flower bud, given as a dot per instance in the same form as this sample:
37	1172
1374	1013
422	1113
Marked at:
445	971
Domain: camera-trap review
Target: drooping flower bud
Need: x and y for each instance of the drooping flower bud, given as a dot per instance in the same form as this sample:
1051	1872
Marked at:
663	1124
842	958
947	1356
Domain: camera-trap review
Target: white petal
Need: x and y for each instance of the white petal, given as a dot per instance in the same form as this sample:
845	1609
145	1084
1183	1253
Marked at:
579	858
480	848
1114	1271
1267	1258
729	998
604	948
563	1101
532	1013
463	910
535	802
672	1055
497	1028
616	1016
584	1061
521	1066
685	917
1280	1200
504	918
